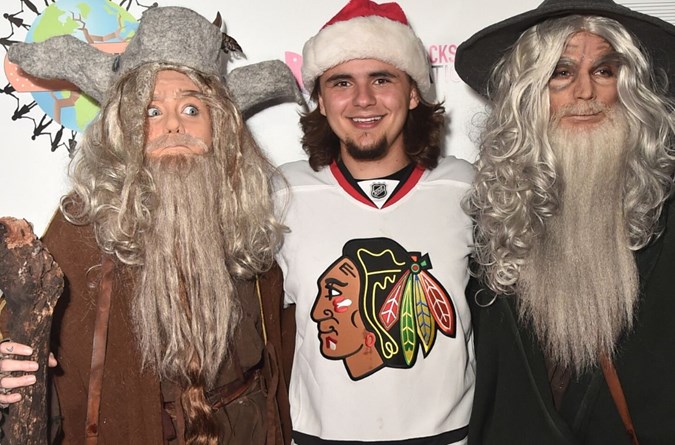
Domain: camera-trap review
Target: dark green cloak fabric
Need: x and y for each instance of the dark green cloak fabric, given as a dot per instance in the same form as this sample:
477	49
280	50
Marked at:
513	400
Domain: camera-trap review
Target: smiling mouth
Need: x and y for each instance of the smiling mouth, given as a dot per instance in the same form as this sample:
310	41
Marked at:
366	120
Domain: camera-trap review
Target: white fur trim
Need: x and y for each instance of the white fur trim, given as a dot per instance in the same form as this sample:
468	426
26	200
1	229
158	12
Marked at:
370	37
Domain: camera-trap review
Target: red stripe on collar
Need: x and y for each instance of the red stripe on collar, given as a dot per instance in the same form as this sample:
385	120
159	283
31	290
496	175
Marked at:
412	180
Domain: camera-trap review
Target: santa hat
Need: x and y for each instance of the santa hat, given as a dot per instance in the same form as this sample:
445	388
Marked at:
367	30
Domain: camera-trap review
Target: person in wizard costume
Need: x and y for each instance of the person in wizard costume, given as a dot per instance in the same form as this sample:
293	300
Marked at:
168	225
575	238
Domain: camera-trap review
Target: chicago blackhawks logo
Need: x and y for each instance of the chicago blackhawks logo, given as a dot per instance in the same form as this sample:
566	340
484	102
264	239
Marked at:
378	305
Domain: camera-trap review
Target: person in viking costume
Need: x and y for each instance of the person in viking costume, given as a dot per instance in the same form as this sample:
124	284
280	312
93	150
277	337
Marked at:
161	335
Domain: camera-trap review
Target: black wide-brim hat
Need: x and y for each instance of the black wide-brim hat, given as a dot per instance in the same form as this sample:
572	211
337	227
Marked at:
476	57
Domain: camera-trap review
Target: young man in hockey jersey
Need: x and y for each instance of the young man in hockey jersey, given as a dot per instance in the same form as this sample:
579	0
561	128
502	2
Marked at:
375	260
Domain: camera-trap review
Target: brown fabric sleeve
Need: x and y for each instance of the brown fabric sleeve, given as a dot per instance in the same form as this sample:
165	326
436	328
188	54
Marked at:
281	336
130	411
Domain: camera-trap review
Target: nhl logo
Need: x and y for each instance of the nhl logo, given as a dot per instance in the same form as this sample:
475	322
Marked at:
378	190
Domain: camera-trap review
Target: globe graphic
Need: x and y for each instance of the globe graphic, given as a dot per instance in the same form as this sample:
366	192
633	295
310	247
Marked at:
104	19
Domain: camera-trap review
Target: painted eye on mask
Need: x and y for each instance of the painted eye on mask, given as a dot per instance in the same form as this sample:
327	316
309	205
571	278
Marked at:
191	110
561	73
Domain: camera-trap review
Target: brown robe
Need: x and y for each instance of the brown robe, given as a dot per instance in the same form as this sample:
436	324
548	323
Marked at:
131	409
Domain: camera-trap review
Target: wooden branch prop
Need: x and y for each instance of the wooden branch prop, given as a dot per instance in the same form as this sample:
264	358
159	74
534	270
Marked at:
32	284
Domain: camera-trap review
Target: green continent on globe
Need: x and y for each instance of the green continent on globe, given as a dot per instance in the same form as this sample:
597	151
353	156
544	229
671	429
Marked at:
92	21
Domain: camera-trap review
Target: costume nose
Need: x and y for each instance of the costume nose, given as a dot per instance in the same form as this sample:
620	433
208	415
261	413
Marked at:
583	87
173	124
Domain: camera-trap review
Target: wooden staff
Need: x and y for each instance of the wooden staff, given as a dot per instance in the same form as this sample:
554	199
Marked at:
32	284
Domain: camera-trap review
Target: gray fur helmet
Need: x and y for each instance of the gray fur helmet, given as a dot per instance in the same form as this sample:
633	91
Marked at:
172	35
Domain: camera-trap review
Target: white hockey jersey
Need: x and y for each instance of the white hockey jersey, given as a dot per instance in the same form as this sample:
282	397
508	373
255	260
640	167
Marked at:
384	346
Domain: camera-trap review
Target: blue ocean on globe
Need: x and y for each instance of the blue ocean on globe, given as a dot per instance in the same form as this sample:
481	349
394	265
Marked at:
104	21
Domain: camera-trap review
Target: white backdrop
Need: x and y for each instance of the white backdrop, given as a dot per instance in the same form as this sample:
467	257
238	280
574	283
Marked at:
33	177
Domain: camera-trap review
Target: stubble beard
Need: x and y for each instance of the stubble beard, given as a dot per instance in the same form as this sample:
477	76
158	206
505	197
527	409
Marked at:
579	285
183	308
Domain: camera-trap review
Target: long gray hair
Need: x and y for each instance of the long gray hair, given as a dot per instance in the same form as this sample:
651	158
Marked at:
112	185
517	188
188	227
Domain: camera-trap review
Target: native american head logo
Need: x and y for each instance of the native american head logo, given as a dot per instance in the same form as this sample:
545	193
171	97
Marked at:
378	305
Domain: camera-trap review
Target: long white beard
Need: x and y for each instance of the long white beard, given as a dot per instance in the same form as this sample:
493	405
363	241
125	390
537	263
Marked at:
579	286
184	306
